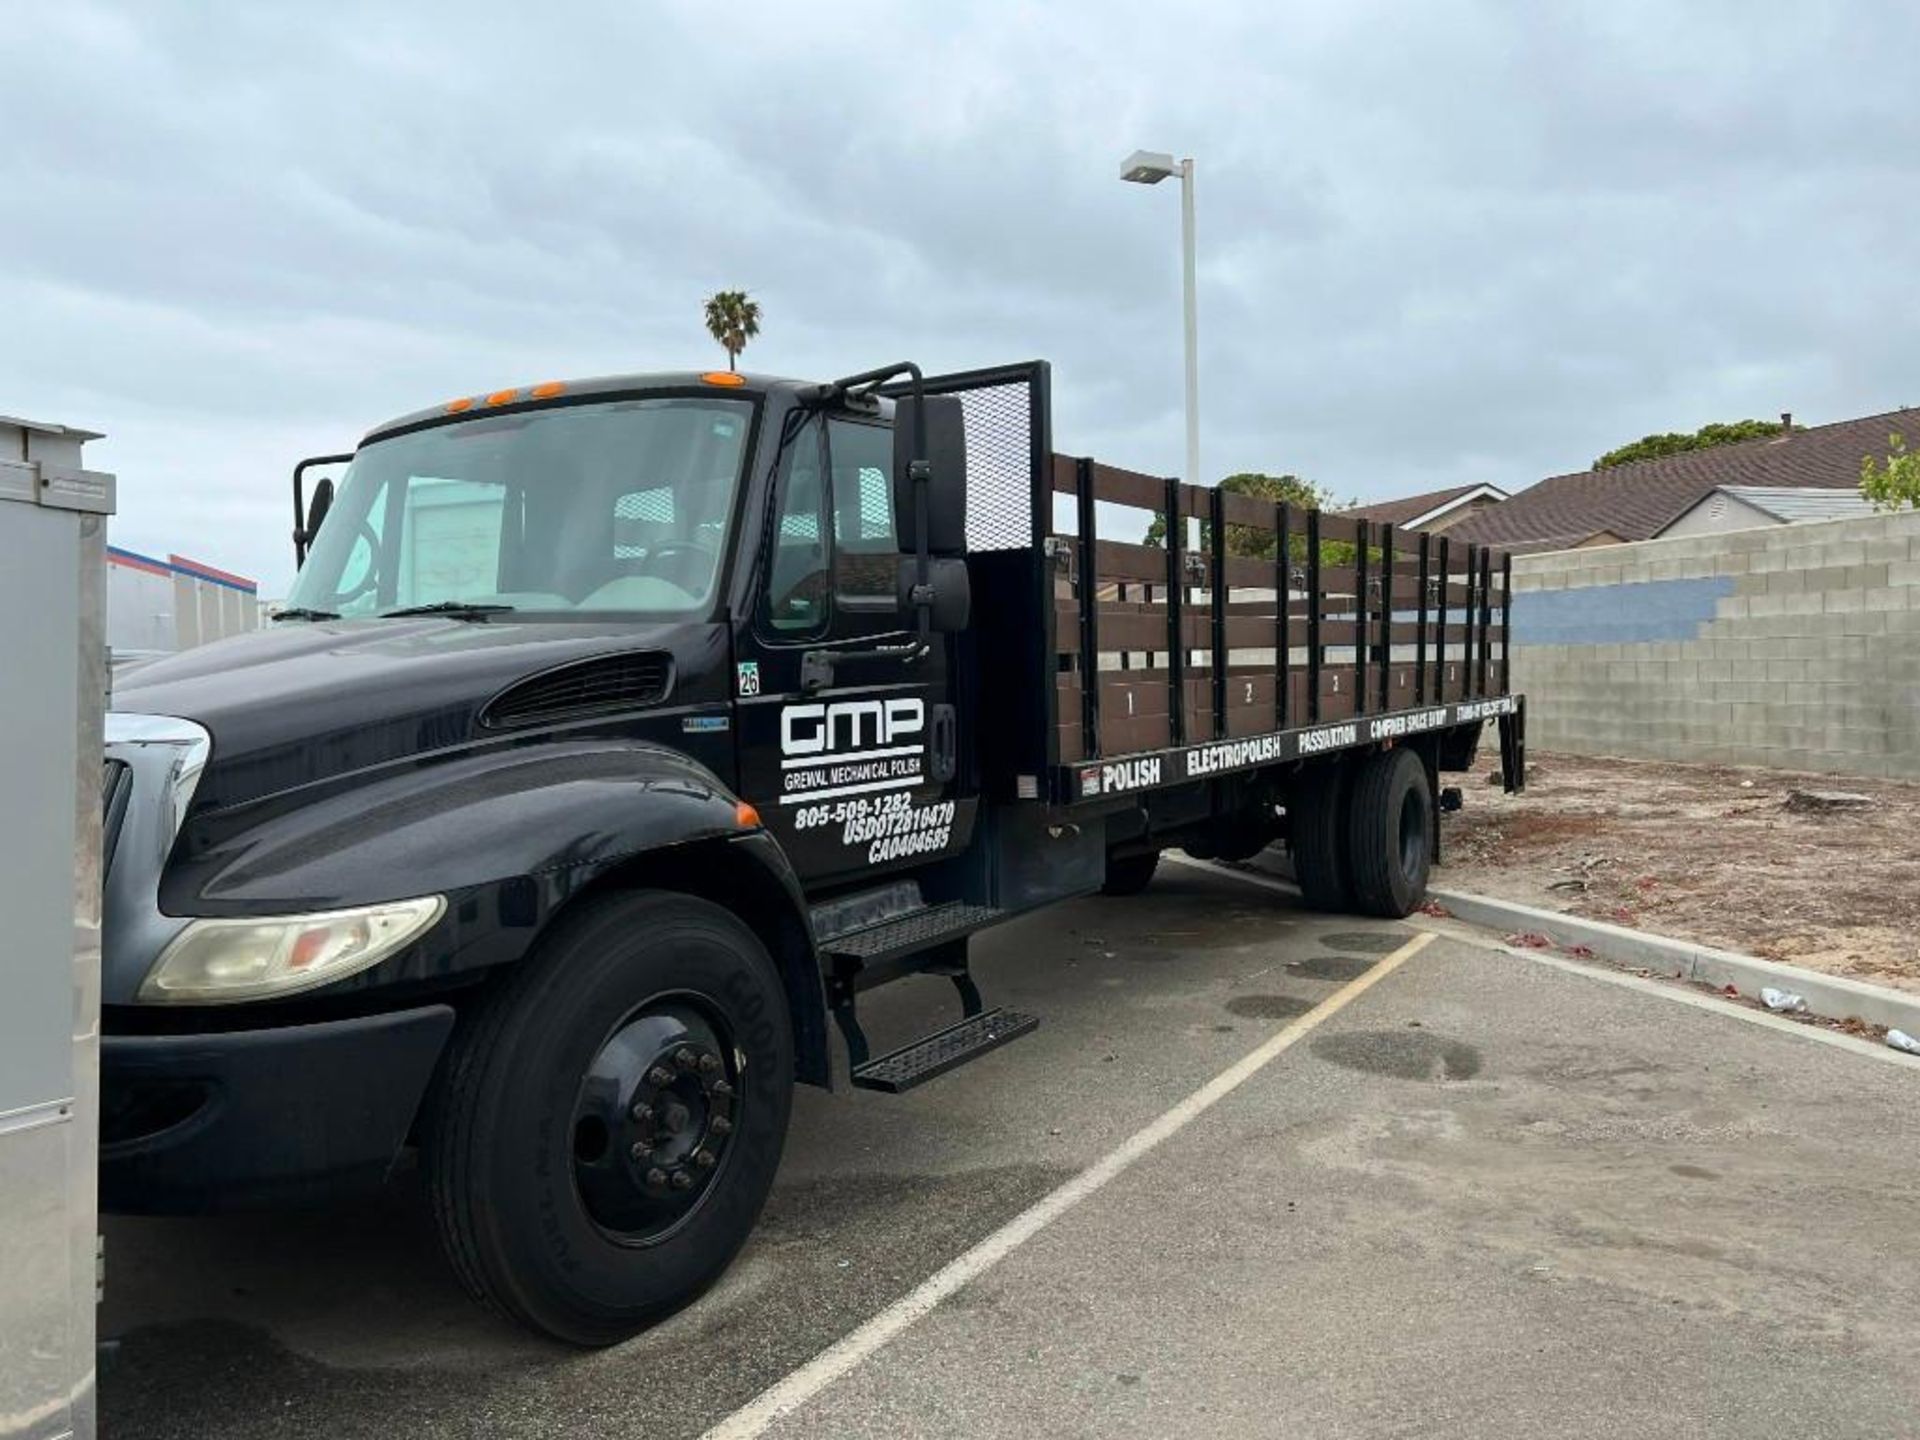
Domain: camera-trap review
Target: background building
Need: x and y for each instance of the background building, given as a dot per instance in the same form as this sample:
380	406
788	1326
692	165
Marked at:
1634	502
1434	511
1750	507
158	605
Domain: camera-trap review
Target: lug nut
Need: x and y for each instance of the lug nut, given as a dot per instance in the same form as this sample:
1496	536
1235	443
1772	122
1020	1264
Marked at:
639	1151
720	1125
709	1063
703	1158
682	1180
722	1090
641	1111
659	1075
657	1176
685	1059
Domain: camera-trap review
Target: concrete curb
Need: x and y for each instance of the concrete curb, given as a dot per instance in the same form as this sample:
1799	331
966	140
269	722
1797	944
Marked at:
1832	996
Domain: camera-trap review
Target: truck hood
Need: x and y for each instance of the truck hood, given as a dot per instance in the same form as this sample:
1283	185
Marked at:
304	702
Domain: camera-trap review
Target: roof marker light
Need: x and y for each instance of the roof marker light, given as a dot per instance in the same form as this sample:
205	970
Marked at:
723	377
454	407
503	397
547	389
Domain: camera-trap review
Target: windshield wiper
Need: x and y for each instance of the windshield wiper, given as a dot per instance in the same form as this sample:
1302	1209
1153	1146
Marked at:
300	613
458	609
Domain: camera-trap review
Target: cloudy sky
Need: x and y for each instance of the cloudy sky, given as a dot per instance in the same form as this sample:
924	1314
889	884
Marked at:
1440	242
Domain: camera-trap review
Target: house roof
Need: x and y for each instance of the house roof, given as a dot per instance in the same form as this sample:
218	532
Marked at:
1638	501
1414	510
1792	503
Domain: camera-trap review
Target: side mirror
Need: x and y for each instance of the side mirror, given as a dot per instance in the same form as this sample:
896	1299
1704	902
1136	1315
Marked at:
317	510
306	519
946	454
952	601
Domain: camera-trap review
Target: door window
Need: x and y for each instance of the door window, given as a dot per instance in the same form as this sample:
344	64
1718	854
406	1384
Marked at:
835	553
866	546
798	590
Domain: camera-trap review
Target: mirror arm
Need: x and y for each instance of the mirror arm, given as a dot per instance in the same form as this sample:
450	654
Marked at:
302	537
921	473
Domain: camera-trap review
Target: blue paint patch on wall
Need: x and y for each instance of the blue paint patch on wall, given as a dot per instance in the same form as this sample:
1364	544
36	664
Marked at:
1618	614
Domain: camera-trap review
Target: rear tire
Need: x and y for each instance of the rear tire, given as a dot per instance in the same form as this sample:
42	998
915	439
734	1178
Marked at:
1129	874
1317	834
609	1120
1390	835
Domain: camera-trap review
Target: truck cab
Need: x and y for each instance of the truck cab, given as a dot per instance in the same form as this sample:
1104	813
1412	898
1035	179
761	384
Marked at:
618	734
549	650
675	550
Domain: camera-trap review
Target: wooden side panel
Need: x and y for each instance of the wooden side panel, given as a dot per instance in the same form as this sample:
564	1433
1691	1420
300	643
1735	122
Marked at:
1121	561
1250	703
1135	711
1384	602
1337	693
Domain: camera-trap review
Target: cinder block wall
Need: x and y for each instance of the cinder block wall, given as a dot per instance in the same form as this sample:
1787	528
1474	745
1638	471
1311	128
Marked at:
1795	646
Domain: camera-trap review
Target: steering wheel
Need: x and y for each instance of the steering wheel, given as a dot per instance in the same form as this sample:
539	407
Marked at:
699	549
345	596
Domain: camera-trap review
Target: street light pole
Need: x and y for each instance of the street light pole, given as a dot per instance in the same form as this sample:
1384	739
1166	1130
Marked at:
1192	323
1150	167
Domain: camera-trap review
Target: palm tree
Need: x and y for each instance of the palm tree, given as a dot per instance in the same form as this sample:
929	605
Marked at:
732	319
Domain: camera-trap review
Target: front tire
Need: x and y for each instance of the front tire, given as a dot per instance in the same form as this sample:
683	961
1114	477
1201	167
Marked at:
1390	834
610	1118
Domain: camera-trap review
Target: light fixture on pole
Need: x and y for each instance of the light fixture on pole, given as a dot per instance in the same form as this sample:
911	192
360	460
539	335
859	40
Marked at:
1150	167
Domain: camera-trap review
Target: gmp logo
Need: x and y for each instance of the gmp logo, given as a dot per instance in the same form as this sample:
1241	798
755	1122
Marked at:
850	725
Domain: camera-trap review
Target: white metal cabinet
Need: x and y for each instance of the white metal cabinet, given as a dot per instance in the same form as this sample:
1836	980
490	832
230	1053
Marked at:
52	691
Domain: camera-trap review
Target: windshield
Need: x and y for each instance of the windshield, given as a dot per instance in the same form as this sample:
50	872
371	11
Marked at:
620	507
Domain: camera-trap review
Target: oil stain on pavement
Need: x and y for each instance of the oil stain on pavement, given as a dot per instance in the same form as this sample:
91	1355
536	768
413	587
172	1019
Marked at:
1400	1055
1268	1007
1364	942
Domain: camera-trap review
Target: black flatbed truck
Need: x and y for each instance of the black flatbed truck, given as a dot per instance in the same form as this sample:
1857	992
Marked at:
619	734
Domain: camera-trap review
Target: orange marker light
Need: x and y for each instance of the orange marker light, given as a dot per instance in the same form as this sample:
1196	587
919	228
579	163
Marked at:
547	390
503	397
454	407
723	377
746	816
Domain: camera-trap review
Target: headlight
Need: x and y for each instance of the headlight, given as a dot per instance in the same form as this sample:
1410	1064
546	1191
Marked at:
217	961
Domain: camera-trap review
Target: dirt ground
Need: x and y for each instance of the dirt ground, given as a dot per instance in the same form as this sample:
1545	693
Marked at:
1705	853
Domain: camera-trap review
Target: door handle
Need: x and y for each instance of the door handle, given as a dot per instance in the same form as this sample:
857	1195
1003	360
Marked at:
943	742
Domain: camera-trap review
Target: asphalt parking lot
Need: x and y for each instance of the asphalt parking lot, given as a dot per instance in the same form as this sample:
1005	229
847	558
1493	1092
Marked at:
1486	1196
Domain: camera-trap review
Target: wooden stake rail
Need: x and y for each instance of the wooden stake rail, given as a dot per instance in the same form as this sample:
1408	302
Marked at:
1255	617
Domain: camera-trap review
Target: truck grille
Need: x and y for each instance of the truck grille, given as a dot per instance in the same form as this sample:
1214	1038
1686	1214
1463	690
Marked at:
116	785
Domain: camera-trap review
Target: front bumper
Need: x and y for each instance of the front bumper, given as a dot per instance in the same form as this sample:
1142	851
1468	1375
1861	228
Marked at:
195	1123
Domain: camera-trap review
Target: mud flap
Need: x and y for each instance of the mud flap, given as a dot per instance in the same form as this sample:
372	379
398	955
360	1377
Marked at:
1513	748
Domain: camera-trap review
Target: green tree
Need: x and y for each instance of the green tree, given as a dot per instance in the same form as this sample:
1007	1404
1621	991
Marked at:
1652	447
1892	483
733	318
1248	540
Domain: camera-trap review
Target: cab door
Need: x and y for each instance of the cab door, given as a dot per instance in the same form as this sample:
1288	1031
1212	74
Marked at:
859	776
